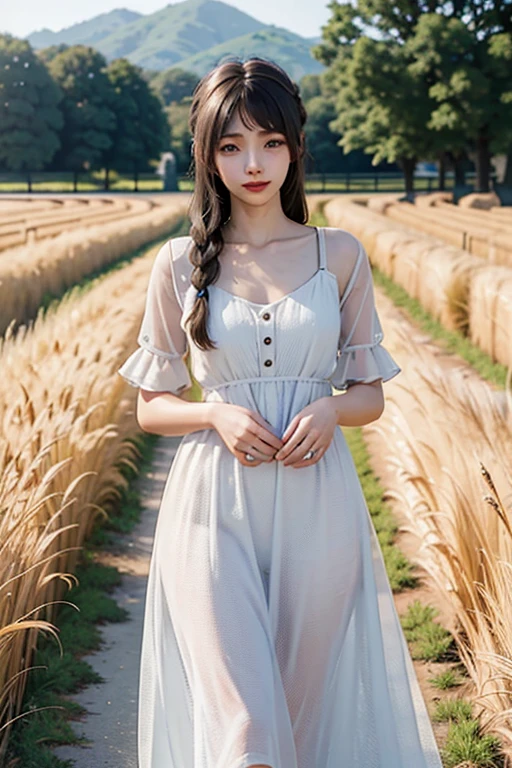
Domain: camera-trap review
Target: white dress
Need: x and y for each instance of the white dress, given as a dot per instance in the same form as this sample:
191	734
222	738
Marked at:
270	632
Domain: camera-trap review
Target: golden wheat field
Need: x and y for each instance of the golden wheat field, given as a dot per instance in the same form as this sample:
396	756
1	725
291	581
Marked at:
448	439
65	416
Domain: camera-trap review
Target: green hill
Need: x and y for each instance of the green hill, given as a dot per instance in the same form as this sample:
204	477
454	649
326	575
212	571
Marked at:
87	32
286	48
194	34
164	38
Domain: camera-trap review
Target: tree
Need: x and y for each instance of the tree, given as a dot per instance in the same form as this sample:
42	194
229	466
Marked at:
321	141
30	118
448	64
470	80
142	131
310	86
174	84
50	52
177	115
89	117
381	106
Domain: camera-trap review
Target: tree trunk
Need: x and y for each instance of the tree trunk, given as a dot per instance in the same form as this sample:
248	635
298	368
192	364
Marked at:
483	164
459	170
442	172
458	163
408	164
507	179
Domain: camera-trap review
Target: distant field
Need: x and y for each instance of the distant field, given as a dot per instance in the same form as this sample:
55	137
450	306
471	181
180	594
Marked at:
64	182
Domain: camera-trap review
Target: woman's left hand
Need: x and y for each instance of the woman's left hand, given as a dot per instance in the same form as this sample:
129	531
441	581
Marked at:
310	429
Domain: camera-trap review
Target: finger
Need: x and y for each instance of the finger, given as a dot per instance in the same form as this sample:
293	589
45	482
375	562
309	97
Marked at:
240	455
299	436
290	428
309	462
299	452
262	446
257	447
300	461
262	431
250	448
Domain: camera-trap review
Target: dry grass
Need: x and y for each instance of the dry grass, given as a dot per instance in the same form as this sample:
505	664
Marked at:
447	439
462	291
25	224
490	312
65	416
50	266
471	225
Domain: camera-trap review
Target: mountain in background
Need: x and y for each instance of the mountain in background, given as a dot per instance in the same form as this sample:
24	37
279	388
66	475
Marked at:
194	34
87	32
286	48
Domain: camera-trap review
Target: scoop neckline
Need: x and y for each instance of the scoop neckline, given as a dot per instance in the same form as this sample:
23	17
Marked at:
288	295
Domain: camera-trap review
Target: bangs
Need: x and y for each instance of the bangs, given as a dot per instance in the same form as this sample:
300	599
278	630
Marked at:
257	107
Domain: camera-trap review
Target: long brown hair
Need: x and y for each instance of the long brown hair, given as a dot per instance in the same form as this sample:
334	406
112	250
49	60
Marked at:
264	96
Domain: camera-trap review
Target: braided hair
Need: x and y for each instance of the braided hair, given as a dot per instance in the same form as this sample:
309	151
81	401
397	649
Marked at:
263	94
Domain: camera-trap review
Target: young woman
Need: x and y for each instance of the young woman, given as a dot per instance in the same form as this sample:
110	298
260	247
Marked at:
270	635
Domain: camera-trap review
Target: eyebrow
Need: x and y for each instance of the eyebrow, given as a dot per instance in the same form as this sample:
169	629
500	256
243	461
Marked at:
240	135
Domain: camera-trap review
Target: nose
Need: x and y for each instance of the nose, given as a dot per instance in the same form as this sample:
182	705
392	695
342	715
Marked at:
253	164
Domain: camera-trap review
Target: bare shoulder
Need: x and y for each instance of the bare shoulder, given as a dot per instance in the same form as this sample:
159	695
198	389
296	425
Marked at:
342	251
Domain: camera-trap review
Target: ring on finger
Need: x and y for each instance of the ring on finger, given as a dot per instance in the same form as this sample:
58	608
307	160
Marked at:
309	455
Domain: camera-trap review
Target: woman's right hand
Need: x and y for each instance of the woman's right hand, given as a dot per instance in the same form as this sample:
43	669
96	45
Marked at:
245	431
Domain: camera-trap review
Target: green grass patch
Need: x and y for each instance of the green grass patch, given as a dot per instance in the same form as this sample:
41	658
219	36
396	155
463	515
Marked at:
466	745
445	680
400	571
456	710
428	639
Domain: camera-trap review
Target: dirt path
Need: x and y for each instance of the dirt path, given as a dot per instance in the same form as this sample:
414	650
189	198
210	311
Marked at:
110	725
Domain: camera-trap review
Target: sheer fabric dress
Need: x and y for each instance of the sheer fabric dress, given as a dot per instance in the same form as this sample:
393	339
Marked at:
270	632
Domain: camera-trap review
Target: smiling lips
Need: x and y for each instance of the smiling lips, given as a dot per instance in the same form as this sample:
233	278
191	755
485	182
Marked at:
256	186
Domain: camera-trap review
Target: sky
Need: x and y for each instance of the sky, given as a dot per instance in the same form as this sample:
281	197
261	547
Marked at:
304	17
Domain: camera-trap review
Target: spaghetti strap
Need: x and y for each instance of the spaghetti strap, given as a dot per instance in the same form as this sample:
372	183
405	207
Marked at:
322	261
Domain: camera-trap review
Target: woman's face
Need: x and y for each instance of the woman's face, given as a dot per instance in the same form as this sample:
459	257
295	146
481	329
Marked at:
252	156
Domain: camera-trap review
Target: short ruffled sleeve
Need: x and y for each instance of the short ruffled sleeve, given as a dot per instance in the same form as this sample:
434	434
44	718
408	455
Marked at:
361	357
158	365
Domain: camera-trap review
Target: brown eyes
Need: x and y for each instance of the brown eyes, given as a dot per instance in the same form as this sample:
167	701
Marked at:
279	142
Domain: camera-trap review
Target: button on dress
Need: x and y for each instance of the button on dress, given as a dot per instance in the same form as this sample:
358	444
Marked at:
270	631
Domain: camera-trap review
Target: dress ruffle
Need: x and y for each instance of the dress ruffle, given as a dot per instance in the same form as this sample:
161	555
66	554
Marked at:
363	364
156	373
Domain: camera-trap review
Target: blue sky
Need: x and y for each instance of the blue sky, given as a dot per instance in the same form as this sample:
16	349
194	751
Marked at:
305	17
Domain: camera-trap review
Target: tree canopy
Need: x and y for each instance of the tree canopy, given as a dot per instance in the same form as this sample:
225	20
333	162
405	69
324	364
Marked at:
433	80
30	117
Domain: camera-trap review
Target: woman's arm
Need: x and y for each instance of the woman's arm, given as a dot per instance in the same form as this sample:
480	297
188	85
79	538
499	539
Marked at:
163	413
361	404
